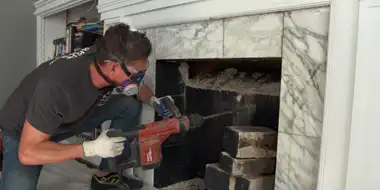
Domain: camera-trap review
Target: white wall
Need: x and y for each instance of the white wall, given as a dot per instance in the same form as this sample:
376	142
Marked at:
55	28
17	44
363	171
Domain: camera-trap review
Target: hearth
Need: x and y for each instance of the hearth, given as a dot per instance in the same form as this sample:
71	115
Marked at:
209	86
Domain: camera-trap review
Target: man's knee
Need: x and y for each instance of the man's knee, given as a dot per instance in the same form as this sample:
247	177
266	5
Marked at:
16	175
118	105
130	104
25	179
129	115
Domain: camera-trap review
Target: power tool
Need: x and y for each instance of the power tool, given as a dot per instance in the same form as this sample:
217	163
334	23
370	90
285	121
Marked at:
144	148
144	143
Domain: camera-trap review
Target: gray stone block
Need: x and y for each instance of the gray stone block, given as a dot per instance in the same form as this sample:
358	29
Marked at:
250	142
251	167
218	179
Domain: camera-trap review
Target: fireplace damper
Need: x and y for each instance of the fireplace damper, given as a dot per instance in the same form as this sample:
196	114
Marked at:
208	86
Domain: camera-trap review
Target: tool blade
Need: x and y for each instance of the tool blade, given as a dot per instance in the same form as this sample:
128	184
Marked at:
228	112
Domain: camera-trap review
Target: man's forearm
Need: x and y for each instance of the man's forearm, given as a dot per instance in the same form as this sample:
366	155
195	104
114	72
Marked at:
50	152
145	93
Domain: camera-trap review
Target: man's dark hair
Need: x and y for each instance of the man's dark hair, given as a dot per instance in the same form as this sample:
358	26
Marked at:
120	43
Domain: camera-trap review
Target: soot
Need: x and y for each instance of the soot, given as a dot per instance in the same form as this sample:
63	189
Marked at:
186	157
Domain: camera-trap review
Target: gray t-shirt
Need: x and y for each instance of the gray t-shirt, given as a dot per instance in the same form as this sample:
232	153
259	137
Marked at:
53	96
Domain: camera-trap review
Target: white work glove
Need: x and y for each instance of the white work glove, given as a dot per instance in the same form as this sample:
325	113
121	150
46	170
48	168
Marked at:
104	146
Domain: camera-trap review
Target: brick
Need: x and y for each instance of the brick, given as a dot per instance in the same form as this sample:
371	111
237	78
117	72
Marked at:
218	179
251	167
250	142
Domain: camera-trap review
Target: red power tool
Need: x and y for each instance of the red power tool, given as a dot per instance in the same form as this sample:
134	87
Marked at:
145	143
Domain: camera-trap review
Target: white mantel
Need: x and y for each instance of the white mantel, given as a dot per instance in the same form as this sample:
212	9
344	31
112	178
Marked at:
155	13
335	138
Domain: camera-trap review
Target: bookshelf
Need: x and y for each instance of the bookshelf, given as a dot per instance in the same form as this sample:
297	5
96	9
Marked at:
78	35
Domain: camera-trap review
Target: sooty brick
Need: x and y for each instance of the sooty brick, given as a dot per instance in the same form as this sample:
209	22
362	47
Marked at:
250	142
251	167
257	183
218	179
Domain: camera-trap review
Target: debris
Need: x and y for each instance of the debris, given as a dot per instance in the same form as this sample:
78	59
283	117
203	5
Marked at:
232	80
193	184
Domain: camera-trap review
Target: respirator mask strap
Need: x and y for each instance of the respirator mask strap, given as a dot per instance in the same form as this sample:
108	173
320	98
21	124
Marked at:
123	66
109	81
131	85
136	78
126	71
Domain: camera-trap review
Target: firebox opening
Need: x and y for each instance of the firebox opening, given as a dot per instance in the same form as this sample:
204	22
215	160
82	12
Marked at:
209	86
245	76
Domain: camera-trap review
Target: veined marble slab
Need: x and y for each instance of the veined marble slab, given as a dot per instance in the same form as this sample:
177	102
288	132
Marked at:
253	36
147	113
304	71
150	74
282	162
193	40
297	162
303	162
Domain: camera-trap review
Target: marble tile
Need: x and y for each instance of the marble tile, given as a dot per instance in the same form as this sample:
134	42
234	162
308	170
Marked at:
304	71
253	36
148	113
193	40
282	162
149	78
304	162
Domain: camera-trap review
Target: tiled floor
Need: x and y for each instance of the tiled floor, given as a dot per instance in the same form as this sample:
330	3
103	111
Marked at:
69	175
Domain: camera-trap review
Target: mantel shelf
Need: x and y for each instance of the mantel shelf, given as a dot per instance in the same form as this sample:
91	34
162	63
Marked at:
155	13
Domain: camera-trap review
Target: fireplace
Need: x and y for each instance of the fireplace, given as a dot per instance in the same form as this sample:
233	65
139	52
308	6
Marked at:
249	86
259	41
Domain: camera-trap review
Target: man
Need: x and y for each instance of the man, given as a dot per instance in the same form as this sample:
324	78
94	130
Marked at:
71	95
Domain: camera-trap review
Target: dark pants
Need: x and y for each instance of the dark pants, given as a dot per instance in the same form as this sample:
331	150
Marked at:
124	111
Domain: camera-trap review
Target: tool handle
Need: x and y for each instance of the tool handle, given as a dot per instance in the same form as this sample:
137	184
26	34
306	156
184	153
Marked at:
169	104
117	133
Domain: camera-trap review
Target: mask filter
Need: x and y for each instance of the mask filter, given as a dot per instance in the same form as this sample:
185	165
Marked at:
130	87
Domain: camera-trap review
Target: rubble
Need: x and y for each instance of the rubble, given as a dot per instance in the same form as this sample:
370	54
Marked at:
192	184
232	80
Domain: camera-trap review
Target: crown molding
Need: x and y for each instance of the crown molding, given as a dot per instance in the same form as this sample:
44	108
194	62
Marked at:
45	8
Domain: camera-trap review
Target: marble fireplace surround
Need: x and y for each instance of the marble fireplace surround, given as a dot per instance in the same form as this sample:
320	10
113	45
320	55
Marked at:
300	38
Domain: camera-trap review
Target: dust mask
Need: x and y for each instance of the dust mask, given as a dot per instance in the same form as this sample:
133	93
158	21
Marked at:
131	86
